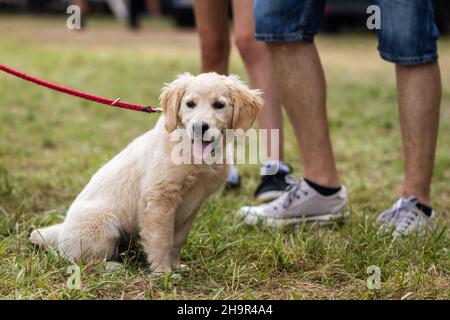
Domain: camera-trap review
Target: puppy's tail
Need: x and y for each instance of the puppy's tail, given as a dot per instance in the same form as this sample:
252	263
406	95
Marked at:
47	237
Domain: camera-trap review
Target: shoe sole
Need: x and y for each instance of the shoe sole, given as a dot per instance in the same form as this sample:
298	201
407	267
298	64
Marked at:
269	196
321	219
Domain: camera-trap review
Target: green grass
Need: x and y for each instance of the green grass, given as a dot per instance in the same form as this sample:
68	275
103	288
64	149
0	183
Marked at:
50	145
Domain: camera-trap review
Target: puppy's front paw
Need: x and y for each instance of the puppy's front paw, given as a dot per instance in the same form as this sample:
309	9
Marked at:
162	275
160	269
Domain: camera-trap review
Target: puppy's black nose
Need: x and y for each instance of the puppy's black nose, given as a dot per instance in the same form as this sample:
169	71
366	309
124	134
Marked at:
200	127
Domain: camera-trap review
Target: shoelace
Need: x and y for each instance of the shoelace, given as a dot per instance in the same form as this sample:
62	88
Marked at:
400	205
291	181
401	213
405	218
295	191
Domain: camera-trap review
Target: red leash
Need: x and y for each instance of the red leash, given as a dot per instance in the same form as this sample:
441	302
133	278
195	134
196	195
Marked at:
114	103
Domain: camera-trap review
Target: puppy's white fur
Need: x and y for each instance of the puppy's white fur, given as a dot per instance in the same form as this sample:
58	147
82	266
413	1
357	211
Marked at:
141	191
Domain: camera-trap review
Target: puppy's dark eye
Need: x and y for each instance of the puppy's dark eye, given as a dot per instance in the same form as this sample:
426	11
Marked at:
218	105
190	104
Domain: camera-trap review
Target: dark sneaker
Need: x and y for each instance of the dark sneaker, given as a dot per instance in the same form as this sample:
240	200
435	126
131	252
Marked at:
234	180
272	186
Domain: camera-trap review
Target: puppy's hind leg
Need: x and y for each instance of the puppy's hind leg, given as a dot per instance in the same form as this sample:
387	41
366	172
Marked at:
91	235
47	237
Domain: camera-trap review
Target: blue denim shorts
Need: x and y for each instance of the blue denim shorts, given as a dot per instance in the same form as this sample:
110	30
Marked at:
408	33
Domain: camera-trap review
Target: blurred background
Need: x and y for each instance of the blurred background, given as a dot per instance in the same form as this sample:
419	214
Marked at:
340	14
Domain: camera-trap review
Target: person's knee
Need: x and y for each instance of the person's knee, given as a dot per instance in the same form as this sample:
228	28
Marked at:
291	48
215	47
247	46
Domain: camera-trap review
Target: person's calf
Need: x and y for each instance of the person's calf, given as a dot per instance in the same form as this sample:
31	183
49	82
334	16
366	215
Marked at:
301	84
215	52
419	94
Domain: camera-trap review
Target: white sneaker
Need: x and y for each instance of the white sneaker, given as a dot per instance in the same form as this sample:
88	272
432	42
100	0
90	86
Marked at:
404	218
301	203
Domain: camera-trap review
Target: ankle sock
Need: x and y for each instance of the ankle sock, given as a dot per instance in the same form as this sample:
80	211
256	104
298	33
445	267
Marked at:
325	191
424	208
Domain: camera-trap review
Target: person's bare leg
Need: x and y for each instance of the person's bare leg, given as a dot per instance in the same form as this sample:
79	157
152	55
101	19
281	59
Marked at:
257	62
83	4
419	95
301	82
84	8
153	8
212	26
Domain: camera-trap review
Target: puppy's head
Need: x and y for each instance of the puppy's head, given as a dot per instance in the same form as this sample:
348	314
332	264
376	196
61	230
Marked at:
208	104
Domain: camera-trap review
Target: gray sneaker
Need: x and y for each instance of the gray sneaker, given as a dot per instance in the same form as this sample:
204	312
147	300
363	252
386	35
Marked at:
300	203
404	218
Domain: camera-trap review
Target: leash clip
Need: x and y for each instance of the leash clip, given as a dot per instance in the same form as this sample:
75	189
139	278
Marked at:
149	109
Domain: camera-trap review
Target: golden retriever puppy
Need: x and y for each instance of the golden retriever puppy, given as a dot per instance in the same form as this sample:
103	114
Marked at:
142	191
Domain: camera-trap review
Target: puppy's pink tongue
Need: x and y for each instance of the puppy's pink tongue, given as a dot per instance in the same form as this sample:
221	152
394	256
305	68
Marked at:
201	149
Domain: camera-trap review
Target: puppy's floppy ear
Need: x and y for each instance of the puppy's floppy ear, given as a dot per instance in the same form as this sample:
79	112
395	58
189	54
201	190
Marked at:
170	99
247	103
